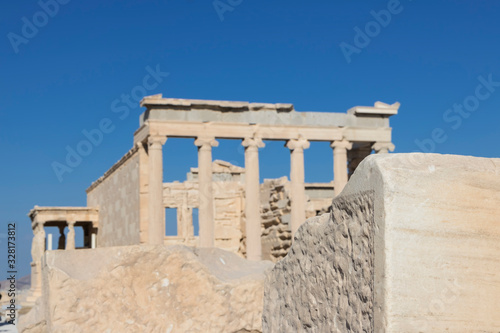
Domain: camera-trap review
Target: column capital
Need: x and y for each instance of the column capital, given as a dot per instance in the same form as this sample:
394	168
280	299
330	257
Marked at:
383	147
253	142
156	141
300	143
206	142
341	144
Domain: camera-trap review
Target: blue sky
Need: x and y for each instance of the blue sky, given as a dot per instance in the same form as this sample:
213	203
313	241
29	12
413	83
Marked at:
65	76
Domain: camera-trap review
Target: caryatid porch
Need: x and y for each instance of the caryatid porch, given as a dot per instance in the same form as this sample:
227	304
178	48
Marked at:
352	135
60	217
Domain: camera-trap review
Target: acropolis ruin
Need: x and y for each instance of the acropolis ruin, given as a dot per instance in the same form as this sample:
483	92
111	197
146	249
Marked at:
394	243
126	206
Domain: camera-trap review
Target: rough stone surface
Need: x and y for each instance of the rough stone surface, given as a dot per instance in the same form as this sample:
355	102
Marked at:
148	289
412	245
325	283
275	216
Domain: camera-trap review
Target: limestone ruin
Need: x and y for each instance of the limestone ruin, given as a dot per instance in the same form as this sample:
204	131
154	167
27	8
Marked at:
126	206
144	288
409	244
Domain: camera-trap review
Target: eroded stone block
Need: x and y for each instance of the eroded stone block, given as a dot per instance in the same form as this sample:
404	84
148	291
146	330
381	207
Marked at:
412	245
148	289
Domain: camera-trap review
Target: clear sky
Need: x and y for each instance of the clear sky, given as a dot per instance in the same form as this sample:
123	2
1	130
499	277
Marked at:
65	68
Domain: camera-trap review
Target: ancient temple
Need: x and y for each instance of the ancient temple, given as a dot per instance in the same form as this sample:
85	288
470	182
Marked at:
126	206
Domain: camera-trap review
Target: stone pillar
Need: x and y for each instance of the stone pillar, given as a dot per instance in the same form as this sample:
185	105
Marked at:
37	250
70	242
206	209
62	238
340	165
383	147
92	241
252	198
156	223
298	204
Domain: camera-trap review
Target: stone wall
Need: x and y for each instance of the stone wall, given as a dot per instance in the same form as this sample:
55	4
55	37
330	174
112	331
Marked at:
116	194
275	213
411	245
148	289
228	196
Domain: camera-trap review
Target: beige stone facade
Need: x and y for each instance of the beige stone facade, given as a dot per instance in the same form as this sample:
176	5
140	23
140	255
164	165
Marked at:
118	199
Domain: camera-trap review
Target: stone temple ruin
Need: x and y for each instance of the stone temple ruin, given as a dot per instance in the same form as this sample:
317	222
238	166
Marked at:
126	206
409	244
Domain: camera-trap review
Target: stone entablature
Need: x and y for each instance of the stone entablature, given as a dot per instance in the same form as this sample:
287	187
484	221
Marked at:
191	110
44	215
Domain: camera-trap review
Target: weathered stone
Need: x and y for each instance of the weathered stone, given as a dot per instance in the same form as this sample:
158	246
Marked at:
411	245
148	289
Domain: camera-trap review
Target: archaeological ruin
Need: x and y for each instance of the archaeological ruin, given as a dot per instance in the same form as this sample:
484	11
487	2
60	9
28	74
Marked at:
394	243
126	206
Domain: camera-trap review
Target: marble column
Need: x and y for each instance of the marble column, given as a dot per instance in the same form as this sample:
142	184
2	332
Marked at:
298	204
70	241
156	224
340	165
383	147
206	202
252	198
